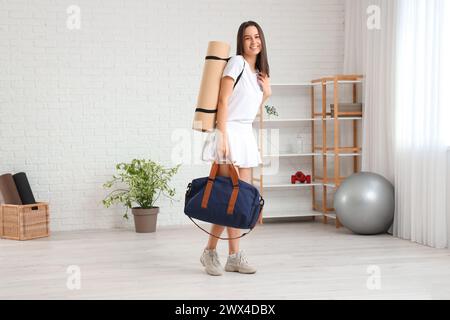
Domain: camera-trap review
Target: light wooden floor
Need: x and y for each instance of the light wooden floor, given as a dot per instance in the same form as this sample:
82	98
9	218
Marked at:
295	260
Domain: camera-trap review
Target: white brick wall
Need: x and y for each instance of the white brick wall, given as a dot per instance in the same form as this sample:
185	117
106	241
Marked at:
73	103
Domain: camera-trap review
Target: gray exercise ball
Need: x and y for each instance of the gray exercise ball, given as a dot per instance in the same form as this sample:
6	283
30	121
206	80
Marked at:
364	203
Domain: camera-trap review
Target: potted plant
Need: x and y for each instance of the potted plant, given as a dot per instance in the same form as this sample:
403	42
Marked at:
144	181
271	110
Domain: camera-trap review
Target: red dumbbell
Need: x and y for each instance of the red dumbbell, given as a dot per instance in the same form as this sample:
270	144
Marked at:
300	177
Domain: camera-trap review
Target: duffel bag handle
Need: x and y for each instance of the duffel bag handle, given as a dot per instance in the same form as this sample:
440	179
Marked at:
210	183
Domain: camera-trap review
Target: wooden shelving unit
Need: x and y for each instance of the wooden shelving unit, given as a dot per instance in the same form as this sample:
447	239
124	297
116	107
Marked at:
336	151
318	208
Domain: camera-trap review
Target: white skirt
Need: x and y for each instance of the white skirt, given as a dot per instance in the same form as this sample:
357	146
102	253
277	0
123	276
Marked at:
242	145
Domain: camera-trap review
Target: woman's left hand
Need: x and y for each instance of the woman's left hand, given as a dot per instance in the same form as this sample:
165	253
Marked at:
264	82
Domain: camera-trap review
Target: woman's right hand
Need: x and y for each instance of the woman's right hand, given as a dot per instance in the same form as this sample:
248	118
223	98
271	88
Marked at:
222	148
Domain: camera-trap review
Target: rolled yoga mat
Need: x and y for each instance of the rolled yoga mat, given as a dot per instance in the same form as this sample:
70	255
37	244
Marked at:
24	189
8	190
216	59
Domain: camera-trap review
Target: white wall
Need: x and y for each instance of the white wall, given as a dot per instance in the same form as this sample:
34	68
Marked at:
73	103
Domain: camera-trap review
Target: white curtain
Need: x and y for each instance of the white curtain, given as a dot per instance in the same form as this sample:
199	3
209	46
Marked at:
406	106
421	121
371	52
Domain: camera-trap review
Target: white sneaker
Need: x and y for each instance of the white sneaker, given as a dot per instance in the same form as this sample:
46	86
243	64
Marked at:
237	262
210	260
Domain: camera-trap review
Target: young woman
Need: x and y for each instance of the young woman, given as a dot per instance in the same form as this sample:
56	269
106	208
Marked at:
234	139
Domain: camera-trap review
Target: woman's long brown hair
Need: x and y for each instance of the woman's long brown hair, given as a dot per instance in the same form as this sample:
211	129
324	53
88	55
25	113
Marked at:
262	63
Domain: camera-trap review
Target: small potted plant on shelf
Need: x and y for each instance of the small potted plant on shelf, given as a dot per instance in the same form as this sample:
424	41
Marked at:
143	182
271	110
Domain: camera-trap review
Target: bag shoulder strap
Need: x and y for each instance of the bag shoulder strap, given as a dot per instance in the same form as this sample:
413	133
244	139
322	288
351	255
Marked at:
217	236
240	75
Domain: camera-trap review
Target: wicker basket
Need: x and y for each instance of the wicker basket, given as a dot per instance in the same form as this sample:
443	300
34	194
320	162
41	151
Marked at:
24	222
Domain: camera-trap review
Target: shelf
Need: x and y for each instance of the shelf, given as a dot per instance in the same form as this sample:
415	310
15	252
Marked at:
282	122
317	154
289	155
294	186
342	154
290	214
285	120
354	149
298	84
296	120
340	118
345	81
339	81
289	185
329	215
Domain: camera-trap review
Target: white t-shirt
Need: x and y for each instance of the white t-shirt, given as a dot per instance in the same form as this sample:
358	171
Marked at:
247	95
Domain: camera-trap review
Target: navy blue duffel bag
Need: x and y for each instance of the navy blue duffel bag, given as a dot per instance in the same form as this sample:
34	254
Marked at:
225	201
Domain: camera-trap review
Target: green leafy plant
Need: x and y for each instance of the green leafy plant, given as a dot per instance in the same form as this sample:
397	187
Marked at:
271	110
144	181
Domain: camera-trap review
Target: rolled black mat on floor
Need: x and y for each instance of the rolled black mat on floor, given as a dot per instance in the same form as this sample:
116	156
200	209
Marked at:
24	189
8	190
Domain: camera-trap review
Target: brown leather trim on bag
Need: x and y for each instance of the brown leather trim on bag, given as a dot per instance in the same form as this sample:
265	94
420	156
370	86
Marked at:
235	179
212	176
209	185
233	199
